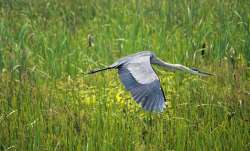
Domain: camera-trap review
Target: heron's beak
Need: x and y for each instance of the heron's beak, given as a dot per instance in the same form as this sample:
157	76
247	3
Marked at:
207	74
203	73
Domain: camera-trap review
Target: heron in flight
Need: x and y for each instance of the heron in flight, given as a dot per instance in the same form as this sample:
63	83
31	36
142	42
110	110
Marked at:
137	75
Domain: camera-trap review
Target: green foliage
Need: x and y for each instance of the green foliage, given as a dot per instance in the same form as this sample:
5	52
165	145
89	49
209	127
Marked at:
46	103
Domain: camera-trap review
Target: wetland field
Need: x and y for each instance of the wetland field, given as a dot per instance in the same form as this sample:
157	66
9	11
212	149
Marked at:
48	103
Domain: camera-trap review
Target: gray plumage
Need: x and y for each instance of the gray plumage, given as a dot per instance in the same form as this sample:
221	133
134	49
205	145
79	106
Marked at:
137	75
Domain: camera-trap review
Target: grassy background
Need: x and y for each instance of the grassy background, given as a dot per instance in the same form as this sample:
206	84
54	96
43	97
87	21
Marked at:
47	104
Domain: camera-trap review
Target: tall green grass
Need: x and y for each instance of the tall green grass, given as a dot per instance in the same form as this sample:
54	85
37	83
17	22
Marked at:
46	103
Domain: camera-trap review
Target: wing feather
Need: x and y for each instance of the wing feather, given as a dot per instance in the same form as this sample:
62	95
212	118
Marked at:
140	79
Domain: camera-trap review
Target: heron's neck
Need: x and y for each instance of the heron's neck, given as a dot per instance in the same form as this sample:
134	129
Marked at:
174	67
166	65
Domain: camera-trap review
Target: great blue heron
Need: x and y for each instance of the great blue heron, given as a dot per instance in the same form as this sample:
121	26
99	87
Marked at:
138	76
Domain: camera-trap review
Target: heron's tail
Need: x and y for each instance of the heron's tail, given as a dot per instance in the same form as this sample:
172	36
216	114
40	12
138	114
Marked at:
98	70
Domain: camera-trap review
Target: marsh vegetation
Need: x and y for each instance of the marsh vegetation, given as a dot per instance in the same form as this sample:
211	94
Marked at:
46	103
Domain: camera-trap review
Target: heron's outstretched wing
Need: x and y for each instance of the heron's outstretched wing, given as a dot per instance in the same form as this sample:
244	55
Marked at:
140	79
